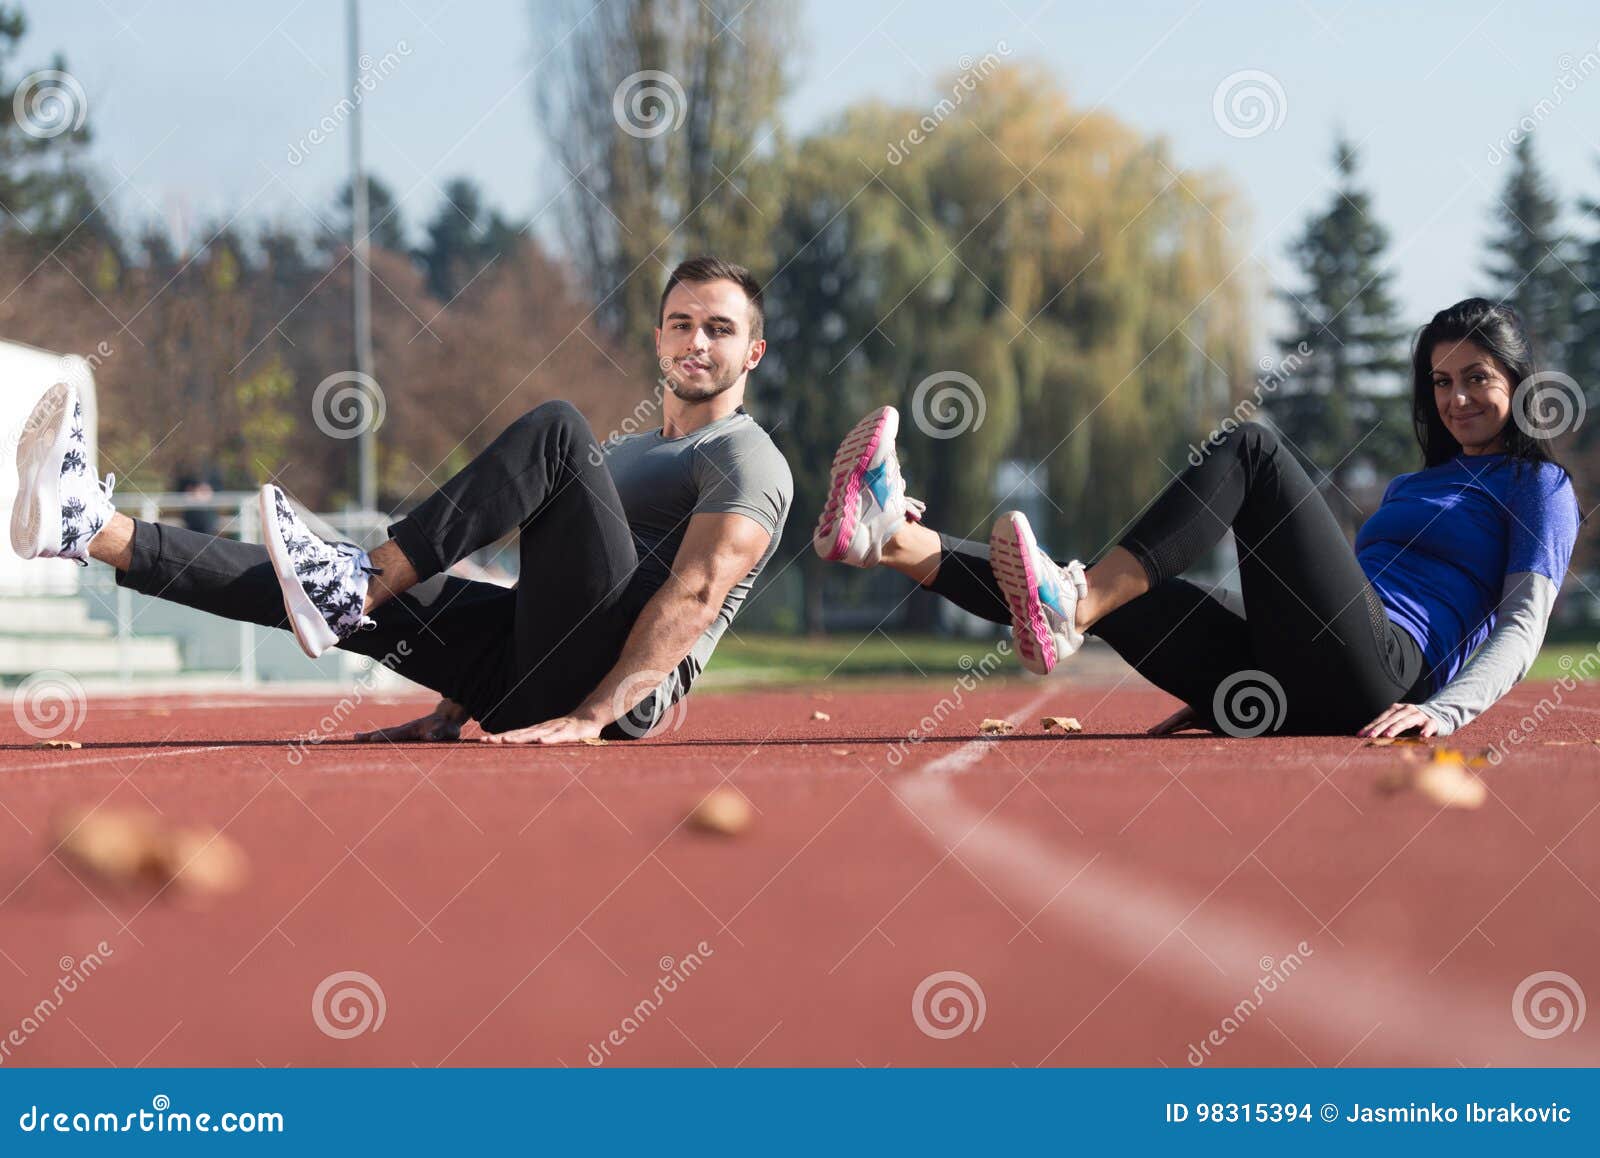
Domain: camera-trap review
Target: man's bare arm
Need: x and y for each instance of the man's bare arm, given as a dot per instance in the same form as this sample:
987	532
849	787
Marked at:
718	550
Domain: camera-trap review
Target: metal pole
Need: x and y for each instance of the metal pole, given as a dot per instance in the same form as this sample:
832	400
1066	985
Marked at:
361	281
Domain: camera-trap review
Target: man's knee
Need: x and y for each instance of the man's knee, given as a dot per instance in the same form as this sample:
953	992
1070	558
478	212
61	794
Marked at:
557	413
559	421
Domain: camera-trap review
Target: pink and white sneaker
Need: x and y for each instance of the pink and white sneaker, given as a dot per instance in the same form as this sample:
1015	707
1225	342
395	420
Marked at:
1042	594
867	500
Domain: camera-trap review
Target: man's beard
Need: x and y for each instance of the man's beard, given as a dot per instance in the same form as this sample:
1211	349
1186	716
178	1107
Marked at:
721	381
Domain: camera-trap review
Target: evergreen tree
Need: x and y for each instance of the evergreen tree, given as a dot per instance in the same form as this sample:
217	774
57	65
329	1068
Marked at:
1345	404
1528	258
1583	356
463	239
385	227
47	194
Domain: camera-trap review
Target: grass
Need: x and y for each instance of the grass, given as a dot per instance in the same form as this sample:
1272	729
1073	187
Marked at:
775	660
797	659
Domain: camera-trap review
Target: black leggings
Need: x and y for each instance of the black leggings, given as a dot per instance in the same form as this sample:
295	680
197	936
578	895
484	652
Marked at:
510	657
1305	649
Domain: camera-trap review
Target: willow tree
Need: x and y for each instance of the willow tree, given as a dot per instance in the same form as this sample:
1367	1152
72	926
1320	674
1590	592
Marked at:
1024	281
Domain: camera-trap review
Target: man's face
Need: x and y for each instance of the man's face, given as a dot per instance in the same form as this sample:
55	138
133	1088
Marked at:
703	344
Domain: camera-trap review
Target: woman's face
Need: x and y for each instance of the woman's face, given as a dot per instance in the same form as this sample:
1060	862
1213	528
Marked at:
1473	394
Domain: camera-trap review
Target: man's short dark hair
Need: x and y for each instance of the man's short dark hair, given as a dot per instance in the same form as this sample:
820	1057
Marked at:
708	268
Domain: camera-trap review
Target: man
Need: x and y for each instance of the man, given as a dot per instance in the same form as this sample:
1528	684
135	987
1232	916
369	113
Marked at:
635	555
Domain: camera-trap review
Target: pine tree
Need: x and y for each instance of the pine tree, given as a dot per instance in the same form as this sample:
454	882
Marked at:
1340	397
1529	264
48	195
1583	356
464	238
385	227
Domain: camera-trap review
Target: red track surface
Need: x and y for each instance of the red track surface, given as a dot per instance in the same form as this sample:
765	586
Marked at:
1113	896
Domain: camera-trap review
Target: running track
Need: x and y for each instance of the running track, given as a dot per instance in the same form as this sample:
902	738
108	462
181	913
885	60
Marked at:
1114	897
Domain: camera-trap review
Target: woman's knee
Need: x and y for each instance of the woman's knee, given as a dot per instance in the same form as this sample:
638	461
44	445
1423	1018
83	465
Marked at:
1252	436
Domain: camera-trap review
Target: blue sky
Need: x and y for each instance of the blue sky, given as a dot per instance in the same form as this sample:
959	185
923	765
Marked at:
196	106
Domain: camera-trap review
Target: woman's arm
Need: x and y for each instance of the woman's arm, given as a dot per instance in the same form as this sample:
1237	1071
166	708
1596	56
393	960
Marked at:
1504	658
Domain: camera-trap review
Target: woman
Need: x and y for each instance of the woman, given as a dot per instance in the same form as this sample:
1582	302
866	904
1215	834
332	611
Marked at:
1437	611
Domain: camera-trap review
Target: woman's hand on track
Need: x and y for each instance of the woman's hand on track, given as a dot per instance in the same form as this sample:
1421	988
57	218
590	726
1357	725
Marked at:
1399	718
1184	717
441	724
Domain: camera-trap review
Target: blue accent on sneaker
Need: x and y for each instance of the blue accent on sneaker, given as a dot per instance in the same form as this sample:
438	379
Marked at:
878	483
1051	598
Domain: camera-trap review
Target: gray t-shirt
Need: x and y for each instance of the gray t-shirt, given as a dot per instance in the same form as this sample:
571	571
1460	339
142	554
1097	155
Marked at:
727	467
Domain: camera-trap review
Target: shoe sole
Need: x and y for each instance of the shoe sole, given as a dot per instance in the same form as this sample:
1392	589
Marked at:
1011	547
40	451
310	629
851	463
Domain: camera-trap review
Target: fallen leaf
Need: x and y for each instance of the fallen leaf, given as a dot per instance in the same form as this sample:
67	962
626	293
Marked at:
1448	784
1408	741
120	846
134	848
58	744
724	811
1443	778
996	727
1061	724
596	741
205	862
819	714
841	751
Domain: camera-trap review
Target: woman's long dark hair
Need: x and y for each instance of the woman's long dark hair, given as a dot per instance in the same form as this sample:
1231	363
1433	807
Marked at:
1498	329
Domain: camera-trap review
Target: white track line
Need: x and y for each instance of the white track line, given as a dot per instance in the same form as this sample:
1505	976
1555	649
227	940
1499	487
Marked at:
49	765
1130	918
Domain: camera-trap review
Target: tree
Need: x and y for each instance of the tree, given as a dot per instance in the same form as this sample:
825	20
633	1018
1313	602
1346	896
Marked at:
385	226
464	238
1584	355
47	196
1343	404
1083	321
1529	255
662	120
